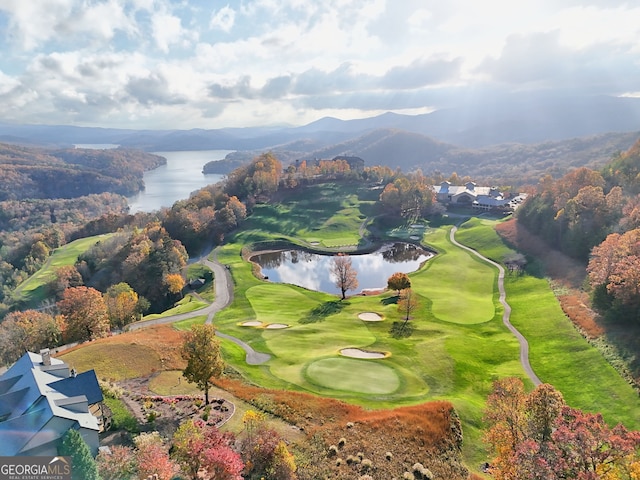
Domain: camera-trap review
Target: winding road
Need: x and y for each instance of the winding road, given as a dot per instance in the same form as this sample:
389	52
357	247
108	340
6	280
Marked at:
524	345
223	285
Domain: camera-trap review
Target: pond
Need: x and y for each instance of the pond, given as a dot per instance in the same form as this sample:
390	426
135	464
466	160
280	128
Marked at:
313	271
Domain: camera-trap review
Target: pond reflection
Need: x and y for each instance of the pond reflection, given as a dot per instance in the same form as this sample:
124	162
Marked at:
312	271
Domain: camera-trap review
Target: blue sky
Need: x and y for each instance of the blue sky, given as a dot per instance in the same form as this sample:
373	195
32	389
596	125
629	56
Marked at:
211	64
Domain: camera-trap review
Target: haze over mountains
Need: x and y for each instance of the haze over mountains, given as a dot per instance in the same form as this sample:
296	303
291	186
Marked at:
524	133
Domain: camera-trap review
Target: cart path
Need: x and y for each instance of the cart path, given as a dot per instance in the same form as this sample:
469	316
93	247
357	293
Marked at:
223	284
524	345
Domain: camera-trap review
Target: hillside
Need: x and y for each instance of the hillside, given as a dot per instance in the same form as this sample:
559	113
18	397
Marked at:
27	172
514	163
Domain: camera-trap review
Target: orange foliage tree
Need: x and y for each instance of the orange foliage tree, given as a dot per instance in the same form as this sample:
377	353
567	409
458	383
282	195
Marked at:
85	313
122	304
398	281
29	330
174	283
614	270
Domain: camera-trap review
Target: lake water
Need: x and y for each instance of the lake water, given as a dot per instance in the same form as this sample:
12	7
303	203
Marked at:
313	271
176	180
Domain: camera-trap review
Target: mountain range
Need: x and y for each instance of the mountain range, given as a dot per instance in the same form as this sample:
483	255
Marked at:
511	136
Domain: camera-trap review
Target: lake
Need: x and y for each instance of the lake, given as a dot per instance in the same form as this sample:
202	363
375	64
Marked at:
312	271
176	180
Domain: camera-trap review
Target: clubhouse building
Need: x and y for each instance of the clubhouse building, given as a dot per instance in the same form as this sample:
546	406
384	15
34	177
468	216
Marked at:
479	198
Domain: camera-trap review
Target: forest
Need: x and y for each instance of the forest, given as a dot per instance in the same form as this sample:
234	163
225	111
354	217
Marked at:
29	173
594	216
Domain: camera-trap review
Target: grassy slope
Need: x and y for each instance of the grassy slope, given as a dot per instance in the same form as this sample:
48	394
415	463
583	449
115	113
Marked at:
459	345
454	353
32	290
559	354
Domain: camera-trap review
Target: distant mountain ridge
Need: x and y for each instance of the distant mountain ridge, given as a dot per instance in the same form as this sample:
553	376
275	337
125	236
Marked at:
512	137
471	123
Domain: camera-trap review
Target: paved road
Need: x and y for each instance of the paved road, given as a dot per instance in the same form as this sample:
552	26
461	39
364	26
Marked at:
524	345
223	284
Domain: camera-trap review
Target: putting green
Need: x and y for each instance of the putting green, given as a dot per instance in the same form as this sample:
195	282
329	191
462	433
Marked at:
353	375
460	286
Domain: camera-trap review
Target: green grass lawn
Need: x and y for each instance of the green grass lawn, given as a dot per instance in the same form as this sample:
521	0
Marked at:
131	362
458	347
187	304
327	215
185	325
33	289
459	285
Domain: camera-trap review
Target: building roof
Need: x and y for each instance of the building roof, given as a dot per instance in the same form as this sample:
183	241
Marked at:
39	403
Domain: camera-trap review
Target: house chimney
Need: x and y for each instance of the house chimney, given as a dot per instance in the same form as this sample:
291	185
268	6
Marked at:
46	357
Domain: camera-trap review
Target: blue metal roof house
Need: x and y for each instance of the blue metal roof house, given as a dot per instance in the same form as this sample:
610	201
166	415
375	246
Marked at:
40	399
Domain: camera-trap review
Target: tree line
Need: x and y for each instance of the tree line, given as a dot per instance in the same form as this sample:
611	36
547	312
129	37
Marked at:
594	216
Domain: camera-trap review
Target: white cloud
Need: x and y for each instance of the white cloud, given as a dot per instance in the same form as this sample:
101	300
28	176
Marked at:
7	83
36	21
143	62
223	19
166	30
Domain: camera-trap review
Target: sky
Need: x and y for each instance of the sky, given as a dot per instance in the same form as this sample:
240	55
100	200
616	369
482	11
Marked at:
181	64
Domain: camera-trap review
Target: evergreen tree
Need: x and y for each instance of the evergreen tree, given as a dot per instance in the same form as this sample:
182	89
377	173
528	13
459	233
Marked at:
83	465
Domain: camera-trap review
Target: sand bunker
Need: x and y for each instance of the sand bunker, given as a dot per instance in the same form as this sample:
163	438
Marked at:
251	324
359	353
277	325
370	317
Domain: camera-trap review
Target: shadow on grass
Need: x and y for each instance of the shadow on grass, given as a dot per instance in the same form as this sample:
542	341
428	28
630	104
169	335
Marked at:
390	300
323	310
401	330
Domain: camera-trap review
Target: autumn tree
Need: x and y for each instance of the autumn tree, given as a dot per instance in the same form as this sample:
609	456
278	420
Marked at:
506	418
152	457
186	445
537	436
117	463
398	281
407	304
85	313
64	277
614	273
252	421
29	330
260	178
573	213
83	466
263	450
408	196
204	452
345	276
543	406
201	350
174	282
122	304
